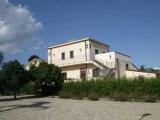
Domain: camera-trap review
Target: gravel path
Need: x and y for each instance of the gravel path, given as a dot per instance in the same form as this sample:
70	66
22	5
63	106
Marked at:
66	109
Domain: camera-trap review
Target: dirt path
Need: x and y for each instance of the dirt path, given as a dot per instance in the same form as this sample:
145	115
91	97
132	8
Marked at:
66	109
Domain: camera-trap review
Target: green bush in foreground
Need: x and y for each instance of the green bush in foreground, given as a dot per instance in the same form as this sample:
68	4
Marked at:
116	89
119	96
93	97
65	95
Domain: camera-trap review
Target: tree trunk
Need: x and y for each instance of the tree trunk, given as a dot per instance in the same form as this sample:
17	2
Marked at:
15	95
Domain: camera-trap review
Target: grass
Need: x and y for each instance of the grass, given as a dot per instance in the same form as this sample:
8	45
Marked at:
115	89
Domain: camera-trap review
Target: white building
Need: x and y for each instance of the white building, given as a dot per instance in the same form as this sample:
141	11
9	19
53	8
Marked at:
88	58
36	62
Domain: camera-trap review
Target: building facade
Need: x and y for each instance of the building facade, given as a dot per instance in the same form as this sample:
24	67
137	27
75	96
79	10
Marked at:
88	58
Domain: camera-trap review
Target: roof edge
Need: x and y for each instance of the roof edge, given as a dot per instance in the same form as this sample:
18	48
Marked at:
76	41
123	54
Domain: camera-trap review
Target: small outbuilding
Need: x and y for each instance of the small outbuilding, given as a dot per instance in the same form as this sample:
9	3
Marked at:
36	62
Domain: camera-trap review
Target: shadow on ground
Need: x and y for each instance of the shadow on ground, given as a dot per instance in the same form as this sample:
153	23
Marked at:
39	104
145	115
19	98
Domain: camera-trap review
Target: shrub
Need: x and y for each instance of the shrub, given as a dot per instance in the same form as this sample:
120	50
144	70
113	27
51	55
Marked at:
151	98
93	96
117	89
119	96
65	95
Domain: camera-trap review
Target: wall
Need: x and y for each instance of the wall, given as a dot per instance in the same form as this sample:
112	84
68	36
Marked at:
79	54
133	74
102	48
107	59
83	51
117	61
74	71
122	60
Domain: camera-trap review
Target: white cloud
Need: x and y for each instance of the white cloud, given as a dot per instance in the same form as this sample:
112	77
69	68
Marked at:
17	27
39	45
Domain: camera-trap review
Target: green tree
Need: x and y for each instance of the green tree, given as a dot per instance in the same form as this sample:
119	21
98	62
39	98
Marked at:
142	68
32	72
48	76
15	76
1	57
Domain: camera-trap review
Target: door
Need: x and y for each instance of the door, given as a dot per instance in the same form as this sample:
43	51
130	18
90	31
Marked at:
83	74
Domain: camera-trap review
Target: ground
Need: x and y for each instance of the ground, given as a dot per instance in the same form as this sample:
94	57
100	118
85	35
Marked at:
53	108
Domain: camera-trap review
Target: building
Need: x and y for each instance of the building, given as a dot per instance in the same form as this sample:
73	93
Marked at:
35	61
88	58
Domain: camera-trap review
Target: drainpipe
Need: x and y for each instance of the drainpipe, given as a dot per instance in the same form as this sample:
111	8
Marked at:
51	56
118	68
86	61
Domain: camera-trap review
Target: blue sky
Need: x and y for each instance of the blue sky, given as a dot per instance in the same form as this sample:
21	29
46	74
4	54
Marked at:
128	26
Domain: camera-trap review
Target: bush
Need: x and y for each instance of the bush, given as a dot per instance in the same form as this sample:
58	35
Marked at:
117	89
93	96
119	96
151	98
65	95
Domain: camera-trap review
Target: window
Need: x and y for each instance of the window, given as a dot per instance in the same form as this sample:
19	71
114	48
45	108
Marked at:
63	56
96	72
96	51
71	54
127	67
83	74
110	57
64	75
